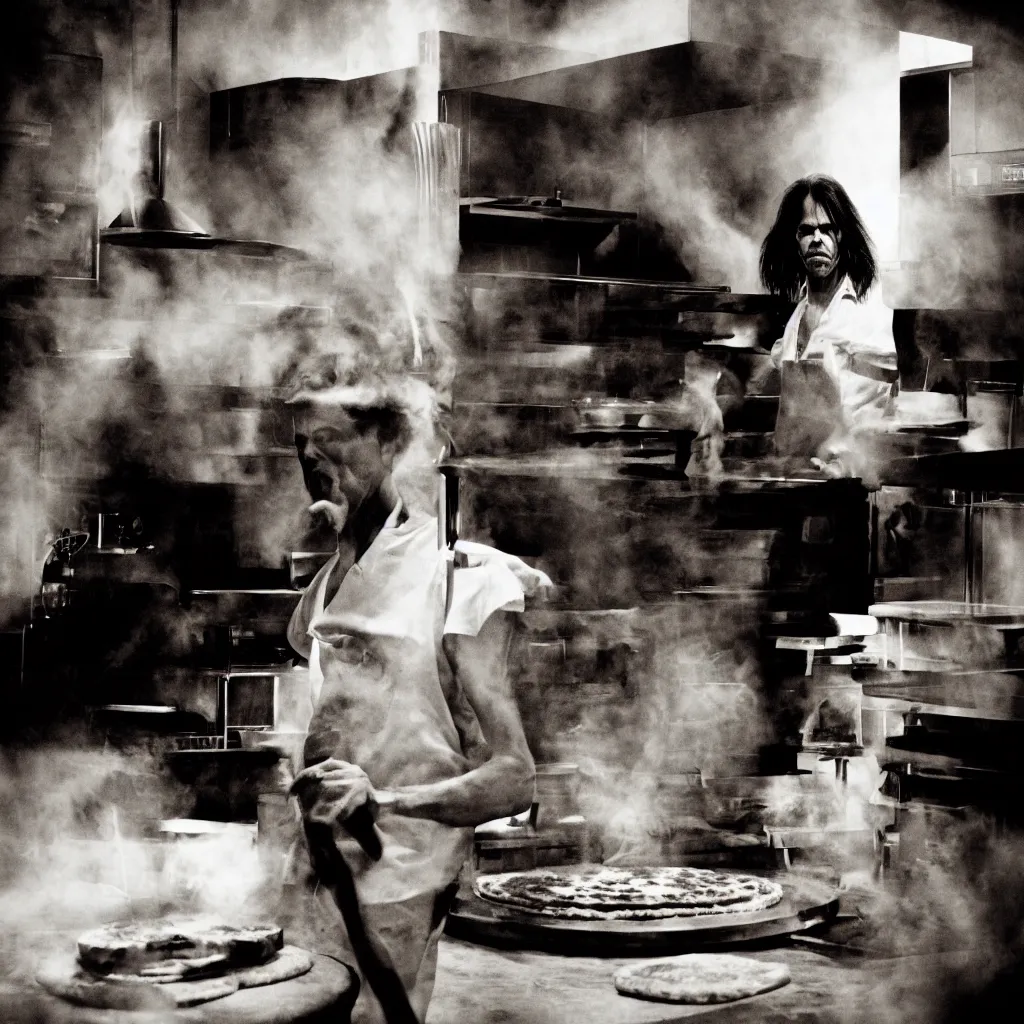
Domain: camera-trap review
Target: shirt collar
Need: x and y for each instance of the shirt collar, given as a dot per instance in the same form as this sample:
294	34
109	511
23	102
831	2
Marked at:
397	516
845	289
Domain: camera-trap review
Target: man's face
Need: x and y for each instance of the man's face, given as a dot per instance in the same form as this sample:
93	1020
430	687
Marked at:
819	240
341	463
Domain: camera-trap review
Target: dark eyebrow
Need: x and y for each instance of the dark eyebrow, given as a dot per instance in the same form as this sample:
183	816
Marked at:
326	432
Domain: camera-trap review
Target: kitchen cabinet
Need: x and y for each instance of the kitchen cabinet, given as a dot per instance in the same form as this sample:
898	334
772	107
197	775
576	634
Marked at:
49	155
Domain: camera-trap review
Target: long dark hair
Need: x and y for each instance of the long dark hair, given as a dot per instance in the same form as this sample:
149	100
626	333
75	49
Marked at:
782	271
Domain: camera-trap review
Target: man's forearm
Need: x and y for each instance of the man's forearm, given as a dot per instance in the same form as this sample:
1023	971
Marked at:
501	786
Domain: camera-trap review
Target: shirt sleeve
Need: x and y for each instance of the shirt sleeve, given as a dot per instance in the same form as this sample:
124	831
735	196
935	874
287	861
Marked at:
862	339
492	582
864	332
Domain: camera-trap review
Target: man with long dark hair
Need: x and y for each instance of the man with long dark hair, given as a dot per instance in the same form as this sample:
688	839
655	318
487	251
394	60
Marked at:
837	354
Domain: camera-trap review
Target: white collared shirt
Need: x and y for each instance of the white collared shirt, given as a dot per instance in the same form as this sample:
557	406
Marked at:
849	329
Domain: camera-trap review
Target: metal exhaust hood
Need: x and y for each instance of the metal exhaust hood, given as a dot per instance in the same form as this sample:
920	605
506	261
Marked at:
149	220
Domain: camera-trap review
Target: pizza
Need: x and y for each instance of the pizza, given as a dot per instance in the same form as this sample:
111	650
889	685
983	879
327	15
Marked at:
701	978
168	984
64	977
195	993
608	893
184	947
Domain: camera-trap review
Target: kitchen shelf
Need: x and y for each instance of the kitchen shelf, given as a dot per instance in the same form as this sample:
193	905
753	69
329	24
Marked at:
245	592
565	463
951	613
907	704
479	221
617	286
996	695
625	295
667	81
997	472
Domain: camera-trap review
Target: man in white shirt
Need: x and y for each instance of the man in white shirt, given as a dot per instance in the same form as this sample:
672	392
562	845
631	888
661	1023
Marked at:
414	737
837	354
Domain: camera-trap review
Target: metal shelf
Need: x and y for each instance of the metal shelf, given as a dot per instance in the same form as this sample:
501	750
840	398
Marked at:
993	695
951	613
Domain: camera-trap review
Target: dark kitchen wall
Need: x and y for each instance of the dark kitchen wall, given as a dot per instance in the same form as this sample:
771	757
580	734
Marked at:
714	178
517	147
962	207
57	57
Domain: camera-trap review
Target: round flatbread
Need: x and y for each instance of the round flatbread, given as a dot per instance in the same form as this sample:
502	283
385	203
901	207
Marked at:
291	962
167	971
604	893
193	993
701	978
129	948
67	981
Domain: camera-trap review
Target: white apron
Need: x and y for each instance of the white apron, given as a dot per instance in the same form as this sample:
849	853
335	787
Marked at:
382	706
385	699
833	388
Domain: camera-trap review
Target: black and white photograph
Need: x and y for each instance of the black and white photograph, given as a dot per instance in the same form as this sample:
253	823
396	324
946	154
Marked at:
510	513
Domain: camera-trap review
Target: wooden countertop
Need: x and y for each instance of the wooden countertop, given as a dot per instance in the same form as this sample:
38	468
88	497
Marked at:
479	985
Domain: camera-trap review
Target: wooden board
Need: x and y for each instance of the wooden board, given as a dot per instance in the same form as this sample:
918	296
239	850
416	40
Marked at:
324	993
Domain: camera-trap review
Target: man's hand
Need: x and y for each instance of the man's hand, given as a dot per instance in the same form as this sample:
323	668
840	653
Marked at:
333	791
834	466
335	512
847	463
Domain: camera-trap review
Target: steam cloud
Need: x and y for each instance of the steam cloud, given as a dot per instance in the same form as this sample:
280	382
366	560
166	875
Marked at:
196	320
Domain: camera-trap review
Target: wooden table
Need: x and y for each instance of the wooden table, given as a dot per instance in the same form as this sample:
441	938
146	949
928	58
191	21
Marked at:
479	985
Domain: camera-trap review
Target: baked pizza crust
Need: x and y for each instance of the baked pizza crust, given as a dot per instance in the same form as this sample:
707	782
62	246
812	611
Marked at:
701	978
291	962
610	894
66	981
194	993
63	977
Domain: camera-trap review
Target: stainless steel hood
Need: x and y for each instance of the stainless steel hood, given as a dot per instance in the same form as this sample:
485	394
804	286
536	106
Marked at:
150	221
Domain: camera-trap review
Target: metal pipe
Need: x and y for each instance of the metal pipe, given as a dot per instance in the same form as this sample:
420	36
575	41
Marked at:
969	549
174	64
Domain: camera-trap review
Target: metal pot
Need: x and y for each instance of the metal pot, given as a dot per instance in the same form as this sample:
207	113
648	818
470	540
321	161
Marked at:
556	793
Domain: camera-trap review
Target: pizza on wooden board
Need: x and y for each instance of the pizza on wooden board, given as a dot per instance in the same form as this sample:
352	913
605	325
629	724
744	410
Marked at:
607	893
701	978
161	966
